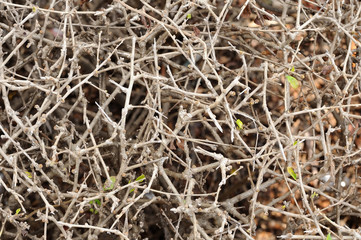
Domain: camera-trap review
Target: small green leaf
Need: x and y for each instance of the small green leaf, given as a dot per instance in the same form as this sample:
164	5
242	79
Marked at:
28	174
292	173
239	124
295	143
34	9
140	178
109	183
96	201
92	210
292	69
329	237
293	81
314	194
189	16
17	211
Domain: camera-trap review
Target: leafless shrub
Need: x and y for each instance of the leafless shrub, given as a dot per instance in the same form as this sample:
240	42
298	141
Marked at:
176	119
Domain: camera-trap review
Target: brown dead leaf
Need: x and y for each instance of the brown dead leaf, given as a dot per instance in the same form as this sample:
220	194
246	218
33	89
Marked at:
264	235
180	144
327	69
196	31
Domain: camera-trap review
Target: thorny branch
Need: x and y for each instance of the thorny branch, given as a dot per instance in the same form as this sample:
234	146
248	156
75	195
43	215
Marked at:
174	119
